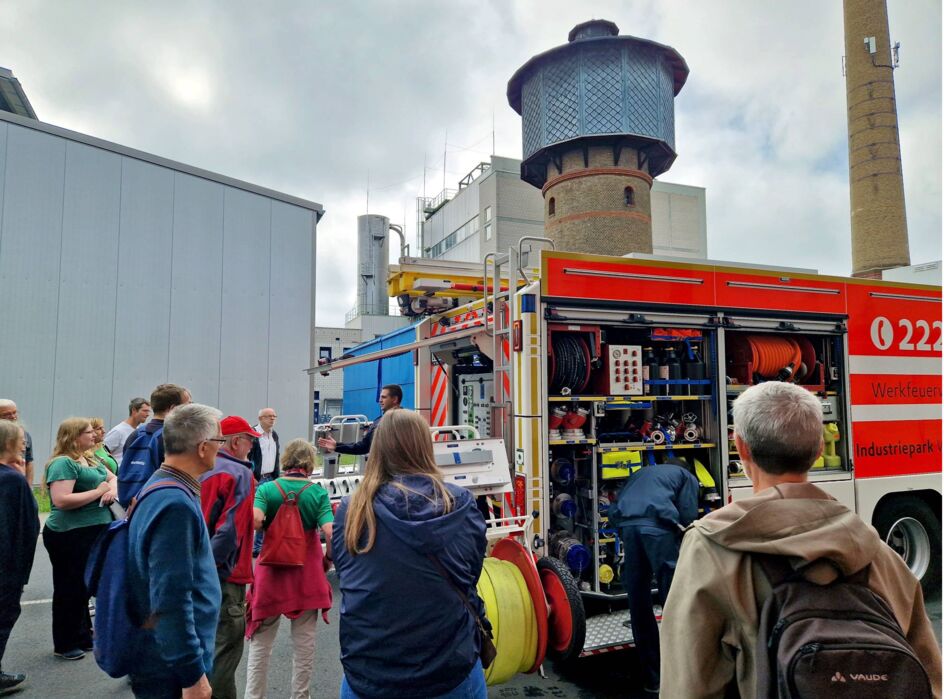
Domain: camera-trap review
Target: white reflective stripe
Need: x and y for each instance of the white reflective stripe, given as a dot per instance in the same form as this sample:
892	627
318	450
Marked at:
909	411
909	366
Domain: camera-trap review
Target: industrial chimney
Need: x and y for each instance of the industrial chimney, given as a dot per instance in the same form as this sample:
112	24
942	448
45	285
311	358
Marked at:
598	123
876	188
373	253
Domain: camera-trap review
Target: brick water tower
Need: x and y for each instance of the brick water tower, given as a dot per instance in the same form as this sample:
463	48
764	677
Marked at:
598	123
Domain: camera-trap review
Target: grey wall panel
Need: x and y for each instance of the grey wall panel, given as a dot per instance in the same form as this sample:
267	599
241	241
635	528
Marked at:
86	335
290	320
30	236
195	287
120	272
143	298
245	293
4	130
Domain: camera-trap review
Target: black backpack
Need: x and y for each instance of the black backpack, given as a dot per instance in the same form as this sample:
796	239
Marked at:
837	640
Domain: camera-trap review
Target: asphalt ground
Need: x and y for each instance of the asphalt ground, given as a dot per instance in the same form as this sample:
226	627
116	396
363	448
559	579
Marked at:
607	676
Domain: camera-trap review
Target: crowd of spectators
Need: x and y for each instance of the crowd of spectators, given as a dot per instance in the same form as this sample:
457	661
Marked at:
408	548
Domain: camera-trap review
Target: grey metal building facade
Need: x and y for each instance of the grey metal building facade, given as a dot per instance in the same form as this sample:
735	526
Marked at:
121	270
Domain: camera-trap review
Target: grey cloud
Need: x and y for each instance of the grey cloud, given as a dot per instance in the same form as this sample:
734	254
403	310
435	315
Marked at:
306	97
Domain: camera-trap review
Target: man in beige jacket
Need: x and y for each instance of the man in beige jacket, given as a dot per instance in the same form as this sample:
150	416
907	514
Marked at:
709	624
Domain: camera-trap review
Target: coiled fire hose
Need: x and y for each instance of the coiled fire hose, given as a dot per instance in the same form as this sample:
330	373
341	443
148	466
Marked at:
570	362
775	357
510	609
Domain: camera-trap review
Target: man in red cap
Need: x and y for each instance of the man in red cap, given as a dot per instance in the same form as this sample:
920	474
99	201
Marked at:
226	497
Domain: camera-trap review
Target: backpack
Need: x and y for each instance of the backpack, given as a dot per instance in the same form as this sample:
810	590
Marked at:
139	461
285	543
837	640
119	628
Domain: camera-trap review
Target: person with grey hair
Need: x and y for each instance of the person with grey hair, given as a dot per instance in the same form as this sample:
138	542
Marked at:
172	573
710	620
9	411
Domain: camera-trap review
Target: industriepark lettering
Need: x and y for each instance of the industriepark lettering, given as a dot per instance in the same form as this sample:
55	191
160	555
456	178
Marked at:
927	446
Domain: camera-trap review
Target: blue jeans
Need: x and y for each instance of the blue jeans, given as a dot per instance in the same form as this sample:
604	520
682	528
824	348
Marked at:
472	687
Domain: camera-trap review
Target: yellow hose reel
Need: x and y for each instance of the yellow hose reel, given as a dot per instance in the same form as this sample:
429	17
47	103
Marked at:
533	608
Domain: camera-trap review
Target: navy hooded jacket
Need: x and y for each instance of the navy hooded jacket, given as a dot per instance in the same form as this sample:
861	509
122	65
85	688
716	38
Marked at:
405	632
664	495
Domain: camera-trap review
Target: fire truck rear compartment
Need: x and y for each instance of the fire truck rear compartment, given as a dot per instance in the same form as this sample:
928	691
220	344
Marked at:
624	396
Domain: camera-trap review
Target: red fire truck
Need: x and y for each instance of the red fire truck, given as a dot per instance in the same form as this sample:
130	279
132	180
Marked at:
589	367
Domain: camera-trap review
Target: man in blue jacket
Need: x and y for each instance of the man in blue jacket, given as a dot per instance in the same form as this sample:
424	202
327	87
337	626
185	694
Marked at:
652	510
144	449
172	572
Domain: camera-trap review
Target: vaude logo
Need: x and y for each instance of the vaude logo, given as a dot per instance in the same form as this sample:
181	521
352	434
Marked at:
858	677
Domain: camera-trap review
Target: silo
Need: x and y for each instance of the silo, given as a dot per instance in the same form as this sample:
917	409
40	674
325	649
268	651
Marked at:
598	123
372	261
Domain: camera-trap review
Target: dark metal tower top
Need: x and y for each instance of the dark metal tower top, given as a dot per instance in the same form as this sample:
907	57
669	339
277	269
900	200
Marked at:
601	87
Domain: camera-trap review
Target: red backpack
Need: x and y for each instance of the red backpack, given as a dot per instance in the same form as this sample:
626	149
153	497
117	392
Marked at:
285	543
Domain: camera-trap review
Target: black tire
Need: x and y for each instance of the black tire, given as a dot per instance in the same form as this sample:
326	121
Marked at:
578	616
917	537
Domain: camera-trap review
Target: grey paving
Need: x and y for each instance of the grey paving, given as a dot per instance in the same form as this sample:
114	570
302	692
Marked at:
606	676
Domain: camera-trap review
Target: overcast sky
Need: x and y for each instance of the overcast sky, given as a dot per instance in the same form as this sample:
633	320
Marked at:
317	98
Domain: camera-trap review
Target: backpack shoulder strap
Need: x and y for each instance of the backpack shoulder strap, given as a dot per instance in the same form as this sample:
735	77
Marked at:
281	490
157	485
304	488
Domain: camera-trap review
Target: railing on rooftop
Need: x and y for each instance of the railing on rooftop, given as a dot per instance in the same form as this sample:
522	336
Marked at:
433	204
391	309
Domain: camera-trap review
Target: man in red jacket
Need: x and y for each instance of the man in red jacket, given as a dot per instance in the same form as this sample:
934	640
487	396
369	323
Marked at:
226	497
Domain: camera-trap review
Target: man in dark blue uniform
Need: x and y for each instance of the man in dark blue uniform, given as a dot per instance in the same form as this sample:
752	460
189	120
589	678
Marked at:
652	510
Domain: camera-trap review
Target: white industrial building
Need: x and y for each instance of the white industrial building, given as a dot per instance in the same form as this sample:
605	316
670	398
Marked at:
493	208
332	343
121	270
373	314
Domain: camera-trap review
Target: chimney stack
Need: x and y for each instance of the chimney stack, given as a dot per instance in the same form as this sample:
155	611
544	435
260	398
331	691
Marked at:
876	187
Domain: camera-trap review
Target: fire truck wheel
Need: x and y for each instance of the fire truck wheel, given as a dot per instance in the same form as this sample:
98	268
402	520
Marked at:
567	622
910	527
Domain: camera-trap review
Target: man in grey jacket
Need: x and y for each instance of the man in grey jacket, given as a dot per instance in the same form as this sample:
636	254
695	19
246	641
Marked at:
710	621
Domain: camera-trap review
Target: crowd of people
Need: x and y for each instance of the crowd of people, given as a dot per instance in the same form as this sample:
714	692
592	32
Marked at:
203	493
225	530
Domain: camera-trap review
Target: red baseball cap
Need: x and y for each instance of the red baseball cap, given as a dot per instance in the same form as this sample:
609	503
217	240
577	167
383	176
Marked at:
233	424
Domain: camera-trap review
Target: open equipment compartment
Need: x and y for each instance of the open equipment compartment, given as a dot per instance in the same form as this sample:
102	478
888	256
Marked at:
795	352
622	396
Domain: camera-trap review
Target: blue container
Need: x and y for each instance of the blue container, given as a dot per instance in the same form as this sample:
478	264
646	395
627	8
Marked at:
362	382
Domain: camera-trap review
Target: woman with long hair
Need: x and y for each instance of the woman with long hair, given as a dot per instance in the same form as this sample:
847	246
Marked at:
297	593
405	629
80	492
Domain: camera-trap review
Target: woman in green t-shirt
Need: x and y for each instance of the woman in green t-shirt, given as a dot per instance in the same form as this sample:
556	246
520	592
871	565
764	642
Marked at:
297	593
80	492
99	451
